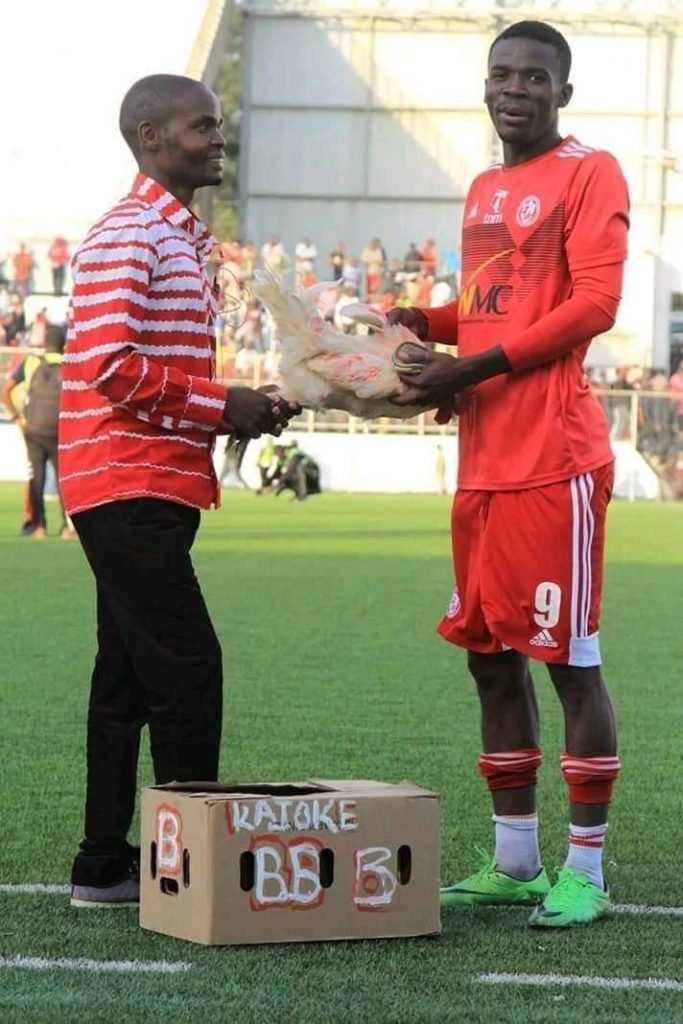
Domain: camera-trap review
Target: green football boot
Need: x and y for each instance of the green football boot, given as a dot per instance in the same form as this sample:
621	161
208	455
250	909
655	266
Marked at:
490	886
574	899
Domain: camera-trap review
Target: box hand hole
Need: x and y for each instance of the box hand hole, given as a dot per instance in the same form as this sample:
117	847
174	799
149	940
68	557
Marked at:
326	868
247	871
404	864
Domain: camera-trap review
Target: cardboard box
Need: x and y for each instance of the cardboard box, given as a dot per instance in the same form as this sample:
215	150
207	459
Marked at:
289	862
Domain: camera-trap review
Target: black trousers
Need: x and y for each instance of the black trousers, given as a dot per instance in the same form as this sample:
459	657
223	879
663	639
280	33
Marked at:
158	663
42	449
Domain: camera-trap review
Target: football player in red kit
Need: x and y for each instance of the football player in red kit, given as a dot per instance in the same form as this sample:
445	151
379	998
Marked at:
543	249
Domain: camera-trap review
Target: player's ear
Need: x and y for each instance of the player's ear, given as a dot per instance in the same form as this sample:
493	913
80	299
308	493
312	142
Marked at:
566	93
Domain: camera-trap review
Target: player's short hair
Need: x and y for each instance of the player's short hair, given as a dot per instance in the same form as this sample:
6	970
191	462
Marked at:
542	33
150	99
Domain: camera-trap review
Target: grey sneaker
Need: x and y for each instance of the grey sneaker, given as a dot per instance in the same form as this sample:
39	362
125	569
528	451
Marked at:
125	893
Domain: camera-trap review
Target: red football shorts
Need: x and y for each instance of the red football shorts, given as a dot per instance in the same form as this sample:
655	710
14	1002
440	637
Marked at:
528	570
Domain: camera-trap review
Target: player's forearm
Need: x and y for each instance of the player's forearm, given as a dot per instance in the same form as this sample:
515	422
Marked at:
442	323
590	311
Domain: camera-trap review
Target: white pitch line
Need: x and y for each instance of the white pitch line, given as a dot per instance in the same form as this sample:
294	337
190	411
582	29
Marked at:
565	980
38	889
639	908
32	890
34	963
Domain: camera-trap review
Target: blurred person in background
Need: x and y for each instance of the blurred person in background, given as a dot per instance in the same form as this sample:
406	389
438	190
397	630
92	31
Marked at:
374	259
274	256
305	255
247	359
348	297
301	473
676	388
352	274
13	323
264	462
620	405
429	257
22	270
412	261
58	255
337	258
39	419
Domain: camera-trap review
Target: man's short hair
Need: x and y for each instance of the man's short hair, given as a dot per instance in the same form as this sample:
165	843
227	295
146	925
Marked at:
150	99
542	33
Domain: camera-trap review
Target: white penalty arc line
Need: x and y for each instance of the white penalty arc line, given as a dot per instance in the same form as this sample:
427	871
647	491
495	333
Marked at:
35	963
579	980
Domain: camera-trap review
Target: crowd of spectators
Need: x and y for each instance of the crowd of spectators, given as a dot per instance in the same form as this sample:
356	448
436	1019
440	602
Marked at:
18	268
245	334
247	343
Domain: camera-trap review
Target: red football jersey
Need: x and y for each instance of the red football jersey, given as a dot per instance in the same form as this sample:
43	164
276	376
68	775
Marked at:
535	235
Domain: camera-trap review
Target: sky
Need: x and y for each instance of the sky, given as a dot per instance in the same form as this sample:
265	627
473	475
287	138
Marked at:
65	68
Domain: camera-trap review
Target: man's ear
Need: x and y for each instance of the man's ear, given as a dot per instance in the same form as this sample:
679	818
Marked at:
149	136
566	93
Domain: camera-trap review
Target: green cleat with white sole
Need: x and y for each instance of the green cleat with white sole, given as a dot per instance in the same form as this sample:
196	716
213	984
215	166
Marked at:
574	899
489	886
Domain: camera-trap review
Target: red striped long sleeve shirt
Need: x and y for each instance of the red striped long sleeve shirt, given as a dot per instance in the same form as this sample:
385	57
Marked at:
139	405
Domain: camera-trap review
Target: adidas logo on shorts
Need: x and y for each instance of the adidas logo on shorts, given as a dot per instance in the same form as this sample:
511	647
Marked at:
543	639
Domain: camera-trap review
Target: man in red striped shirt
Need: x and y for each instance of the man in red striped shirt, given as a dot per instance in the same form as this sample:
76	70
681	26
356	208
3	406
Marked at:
139	416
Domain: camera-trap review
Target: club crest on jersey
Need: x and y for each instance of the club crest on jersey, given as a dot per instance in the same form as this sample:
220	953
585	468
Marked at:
453	605
528	211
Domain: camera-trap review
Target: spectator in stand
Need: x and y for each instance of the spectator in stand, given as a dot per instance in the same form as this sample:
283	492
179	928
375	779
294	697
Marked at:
36	334
349	295
676	387
58	255
249	260
452	267
620	405
247	359
4	280
412	261
42	380
305	255
656	418
352	274
374	259
274	256
22	264
423	289
429	257
337	258
231	252
441	293
252	328
14	322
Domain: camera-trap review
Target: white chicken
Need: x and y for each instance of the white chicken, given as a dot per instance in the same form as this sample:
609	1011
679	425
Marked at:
324	369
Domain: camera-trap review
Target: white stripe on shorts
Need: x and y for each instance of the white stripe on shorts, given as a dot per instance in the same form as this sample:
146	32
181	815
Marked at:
584	648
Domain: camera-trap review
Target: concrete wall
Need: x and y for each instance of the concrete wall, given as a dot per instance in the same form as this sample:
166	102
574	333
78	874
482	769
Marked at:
355	127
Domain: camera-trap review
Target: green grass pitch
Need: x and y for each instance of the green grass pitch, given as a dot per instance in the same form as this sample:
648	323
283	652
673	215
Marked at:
326	611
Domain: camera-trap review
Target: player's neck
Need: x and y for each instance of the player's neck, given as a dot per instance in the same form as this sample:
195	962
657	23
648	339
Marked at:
514	154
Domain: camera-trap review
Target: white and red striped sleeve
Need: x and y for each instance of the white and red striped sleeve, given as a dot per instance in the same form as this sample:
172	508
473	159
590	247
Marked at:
112	275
